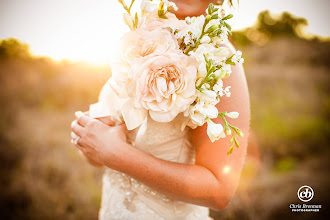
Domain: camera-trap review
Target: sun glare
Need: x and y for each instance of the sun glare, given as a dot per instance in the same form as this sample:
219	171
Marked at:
85	30
74	30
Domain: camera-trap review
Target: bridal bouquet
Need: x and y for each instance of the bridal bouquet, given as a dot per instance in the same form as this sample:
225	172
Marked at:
168	66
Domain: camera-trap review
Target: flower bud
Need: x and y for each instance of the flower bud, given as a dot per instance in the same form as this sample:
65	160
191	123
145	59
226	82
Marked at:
205	40
202	71
227	130
232	114
209	93
128	20
219	74
212	28
239	132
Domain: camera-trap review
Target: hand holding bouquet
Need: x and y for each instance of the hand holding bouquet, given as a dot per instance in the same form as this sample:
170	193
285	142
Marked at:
168	66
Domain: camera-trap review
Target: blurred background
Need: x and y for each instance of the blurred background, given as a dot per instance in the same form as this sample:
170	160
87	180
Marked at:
53	62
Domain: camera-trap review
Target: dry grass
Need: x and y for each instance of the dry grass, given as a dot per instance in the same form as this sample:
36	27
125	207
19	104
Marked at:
43	176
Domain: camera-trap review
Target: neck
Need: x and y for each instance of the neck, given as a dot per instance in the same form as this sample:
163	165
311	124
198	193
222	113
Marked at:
191	8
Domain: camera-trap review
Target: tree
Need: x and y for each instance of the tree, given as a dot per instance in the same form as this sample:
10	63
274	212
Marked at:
12	48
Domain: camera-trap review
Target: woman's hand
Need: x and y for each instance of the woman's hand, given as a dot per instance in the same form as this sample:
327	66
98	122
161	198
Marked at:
99	140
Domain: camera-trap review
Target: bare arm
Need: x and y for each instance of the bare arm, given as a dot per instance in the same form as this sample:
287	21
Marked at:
210	182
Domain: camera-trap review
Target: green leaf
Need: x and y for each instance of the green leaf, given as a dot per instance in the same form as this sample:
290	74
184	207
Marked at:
227	25
212	28
161	11
215	16
230	62
210	9
205	57
228	17
212	69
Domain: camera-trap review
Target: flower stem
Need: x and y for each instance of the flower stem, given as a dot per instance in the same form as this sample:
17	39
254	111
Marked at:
199	39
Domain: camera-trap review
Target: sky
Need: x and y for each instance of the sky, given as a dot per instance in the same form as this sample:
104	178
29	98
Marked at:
88	30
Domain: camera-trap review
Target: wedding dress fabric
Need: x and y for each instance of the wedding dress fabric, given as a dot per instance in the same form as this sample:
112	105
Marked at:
126	198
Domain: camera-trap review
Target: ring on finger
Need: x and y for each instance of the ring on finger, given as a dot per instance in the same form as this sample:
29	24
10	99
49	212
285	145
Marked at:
76	141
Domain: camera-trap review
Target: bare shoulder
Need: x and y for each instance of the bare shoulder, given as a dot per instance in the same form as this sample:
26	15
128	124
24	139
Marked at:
239	100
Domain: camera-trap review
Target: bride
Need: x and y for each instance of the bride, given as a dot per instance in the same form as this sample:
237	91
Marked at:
157	171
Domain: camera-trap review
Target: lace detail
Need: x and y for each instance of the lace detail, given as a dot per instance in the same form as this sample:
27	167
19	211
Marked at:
126	198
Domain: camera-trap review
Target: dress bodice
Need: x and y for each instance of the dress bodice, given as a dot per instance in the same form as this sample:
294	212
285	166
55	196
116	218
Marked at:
126	198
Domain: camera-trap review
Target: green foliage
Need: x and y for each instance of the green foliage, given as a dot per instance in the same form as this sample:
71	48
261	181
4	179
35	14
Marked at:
286	24
270	26
12	48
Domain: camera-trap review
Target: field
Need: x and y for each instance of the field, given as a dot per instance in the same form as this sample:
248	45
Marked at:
42	176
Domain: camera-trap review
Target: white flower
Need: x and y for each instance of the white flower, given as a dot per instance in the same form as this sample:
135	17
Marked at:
221	52
148	6
209	93
205	39
218	86
169	5
203	49
188	39
232	114
211	23
188	20
226	91
201	70
215	131
227	69
211	52
201	111
237	58
219	74
195	27
222	38
207	98
222	91
197	114
211	111
224	33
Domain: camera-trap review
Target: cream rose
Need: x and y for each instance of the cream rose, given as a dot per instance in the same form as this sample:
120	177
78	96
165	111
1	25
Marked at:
142	43
152	22
164	84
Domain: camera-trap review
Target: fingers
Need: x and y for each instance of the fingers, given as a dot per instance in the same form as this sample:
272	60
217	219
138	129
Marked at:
107	121
74	136
77	129
82	119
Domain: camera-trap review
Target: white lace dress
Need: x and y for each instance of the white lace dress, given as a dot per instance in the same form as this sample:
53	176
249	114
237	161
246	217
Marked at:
125	198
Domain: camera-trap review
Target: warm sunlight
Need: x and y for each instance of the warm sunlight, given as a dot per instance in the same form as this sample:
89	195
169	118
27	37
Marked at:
85	30
73	30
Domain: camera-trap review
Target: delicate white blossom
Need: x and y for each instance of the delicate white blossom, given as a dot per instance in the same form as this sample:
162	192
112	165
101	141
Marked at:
237	58
232	114
215	131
